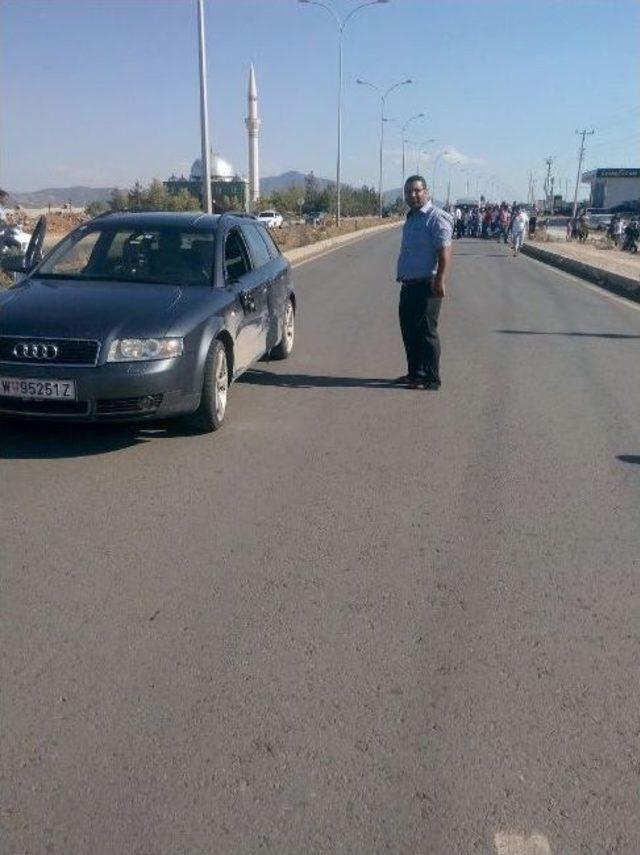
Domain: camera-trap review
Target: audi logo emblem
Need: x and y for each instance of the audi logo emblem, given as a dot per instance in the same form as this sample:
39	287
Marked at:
31	350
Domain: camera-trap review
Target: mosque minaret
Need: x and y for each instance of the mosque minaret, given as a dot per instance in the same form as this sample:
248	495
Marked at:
253	126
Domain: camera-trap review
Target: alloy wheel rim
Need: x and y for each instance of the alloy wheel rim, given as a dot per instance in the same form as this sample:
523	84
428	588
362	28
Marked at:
221	385
289	330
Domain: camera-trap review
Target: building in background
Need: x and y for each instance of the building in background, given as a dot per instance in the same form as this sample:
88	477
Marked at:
229	191
611	187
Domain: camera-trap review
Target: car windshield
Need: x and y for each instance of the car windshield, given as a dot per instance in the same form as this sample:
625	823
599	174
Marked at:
161	254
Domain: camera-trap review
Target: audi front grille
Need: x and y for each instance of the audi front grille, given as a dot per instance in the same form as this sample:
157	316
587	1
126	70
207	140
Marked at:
68	351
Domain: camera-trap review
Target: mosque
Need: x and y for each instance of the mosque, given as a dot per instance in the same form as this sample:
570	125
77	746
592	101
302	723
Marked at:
229	190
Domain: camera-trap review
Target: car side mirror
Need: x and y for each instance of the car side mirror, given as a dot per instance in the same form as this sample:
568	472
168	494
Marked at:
14	264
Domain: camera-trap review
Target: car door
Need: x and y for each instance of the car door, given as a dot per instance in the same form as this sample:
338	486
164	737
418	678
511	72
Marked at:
246	284
34	252
264	267
279	286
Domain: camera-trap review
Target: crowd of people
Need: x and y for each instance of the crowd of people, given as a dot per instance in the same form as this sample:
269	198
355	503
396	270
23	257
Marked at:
503	222
623	233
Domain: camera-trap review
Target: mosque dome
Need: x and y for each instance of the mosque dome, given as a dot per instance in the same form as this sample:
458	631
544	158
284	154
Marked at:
220	168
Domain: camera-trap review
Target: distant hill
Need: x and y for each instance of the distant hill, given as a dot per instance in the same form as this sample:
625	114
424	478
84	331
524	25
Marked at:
56	196
286	180
81	196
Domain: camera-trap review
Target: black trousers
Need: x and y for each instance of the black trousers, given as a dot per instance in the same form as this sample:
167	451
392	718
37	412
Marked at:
419	311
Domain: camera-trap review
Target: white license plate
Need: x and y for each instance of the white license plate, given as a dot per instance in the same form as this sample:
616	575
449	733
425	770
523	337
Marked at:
37	390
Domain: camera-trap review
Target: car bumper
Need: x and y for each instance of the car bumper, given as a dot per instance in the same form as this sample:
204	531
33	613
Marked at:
113	392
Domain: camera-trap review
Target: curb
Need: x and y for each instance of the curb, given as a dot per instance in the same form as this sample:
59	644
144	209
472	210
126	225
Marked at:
302	253
624	286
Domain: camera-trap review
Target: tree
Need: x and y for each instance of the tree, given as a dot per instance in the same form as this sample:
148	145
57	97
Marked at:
155	198
310	192
118	200
136	195
96	207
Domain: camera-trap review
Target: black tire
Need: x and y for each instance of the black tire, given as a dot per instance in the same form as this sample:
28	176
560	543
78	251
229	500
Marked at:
215	389
284	348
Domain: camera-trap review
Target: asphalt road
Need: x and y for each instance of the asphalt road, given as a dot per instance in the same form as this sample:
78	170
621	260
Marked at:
360	619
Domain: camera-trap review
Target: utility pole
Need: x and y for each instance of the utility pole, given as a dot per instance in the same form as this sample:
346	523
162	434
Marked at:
547	183
580	159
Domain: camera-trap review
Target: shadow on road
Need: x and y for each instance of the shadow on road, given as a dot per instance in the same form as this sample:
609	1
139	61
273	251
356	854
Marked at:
41	440
311	381
629	458
580	334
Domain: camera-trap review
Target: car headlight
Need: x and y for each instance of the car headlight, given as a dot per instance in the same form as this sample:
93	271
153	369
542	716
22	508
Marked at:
144	349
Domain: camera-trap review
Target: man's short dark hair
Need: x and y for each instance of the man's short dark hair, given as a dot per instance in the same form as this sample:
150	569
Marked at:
413	178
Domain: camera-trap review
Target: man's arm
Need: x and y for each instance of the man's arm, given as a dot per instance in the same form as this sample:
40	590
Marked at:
444	260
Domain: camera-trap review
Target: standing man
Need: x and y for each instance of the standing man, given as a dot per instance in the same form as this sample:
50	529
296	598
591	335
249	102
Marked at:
425	256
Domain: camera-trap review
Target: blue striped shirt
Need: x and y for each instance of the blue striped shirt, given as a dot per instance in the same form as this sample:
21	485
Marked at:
425	232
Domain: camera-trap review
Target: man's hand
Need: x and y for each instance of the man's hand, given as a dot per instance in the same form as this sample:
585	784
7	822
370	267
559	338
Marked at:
438	286
444	260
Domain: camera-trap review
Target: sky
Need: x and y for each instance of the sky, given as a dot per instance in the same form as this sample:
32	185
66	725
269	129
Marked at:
105	92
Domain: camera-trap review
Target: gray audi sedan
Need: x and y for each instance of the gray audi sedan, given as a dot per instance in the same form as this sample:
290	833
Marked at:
142	315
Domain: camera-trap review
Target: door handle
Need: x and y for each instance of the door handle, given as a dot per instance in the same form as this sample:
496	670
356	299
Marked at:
246	301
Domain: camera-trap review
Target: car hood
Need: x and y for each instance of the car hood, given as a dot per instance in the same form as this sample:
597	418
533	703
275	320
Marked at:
96	310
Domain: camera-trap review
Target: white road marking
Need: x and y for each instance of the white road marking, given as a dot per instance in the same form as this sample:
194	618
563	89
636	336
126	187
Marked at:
517	844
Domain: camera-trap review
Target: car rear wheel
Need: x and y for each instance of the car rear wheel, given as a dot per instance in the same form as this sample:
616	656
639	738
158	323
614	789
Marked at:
215	389
284	348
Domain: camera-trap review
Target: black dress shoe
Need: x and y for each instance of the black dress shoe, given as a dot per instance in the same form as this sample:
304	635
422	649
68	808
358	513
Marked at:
432	385
406	380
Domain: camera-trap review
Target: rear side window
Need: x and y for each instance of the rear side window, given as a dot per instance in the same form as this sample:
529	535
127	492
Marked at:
257	247
272	246
236	260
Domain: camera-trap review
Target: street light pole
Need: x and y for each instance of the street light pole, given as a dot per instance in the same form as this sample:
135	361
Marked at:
204	120
433	174
422	151
451	165
341	24
383	101
404	141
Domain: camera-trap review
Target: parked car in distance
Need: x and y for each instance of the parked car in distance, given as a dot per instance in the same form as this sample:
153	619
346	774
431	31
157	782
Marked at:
316	218
271	219
597	219
142	316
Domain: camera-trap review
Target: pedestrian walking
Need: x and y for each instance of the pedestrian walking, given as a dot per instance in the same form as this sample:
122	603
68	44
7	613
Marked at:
458	222
423	263
519	225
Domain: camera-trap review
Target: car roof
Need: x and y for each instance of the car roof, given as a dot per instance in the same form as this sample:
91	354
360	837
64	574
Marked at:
171	219
157	219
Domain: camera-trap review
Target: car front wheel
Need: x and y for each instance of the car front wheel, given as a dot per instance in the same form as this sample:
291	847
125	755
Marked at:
284	348
215	389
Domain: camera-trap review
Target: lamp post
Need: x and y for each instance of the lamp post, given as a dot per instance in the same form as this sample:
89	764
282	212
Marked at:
204	120
421	151
383	101
405	141
341	24
433	174
451	165
465	172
